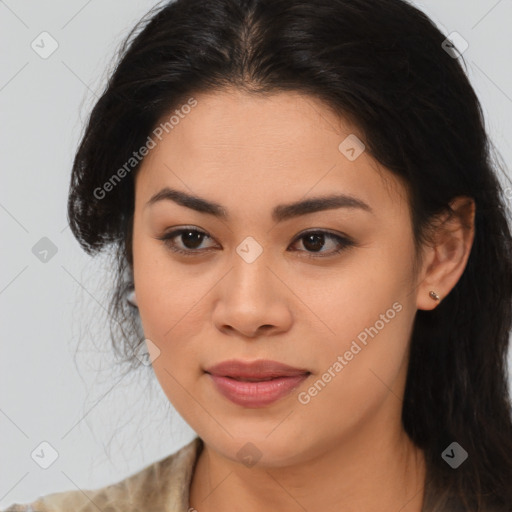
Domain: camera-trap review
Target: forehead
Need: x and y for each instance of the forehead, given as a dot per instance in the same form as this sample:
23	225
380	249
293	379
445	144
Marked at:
278	127
232	144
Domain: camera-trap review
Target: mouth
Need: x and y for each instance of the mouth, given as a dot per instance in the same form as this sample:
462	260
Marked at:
255	384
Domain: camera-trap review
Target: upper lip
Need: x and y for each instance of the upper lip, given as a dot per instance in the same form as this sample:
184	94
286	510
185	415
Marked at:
259	369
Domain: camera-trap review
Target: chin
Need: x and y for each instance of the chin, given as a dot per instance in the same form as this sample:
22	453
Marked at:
256	447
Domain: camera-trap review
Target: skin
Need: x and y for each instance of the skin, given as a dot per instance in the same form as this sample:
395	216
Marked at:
346	449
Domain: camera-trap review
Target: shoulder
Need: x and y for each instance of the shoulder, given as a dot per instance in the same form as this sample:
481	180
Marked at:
161	486
33	507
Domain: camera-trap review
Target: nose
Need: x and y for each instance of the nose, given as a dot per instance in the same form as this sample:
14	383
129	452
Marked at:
252	300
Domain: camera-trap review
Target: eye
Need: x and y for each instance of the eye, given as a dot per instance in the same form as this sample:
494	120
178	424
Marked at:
312	241
191	239
315	241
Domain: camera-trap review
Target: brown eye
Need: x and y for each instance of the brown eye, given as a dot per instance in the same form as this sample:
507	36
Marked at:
315	241
188	241
191	240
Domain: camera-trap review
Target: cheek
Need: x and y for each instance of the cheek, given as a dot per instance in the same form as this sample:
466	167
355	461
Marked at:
158	302
370	313
362	365
172	310
370	339
169	306
163	289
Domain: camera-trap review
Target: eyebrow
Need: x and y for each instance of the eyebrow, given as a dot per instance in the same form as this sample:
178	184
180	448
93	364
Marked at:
280	213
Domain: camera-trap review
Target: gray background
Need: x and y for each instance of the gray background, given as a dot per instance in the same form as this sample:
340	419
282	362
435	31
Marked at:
104	427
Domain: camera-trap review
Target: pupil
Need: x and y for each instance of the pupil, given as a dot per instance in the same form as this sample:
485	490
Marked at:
317	242
189	236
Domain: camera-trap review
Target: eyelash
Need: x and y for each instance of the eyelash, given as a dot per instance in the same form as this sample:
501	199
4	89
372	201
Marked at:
343	240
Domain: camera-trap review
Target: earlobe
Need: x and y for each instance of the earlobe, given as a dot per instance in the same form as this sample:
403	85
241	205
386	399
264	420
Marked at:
452	241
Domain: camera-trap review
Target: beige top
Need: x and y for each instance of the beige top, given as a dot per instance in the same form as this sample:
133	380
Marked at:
160	487
164	487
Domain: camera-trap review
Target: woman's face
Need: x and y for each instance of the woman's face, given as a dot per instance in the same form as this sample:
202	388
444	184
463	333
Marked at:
257	286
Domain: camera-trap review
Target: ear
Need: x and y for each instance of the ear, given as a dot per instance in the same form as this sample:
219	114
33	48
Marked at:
444	260
131	298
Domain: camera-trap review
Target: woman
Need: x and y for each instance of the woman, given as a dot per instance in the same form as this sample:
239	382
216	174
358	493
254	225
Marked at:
312	234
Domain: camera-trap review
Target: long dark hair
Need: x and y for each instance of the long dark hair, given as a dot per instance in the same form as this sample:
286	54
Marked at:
383	66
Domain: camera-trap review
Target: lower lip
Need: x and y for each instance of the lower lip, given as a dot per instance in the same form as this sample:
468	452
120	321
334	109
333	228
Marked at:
256	394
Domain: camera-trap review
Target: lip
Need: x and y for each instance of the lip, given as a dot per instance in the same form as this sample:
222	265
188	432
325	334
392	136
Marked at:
258	369
269	382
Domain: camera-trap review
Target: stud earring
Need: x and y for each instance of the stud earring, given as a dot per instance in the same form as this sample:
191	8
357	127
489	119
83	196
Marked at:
433	295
